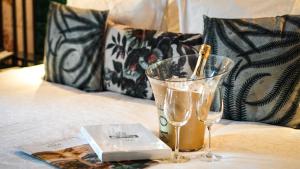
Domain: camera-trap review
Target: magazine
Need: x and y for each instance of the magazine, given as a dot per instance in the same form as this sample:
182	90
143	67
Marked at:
75	153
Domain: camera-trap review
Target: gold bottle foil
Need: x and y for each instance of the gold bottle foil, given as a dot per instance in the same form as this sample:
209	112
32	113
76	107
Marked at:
204	53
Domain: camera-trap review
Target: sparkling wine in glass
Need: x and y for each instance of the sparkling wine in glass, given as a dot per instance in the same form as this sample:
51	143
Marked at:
209	109
177	110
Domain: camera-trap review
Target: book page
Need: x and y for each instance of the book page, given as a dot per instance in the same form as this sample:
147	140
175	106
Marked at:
77	154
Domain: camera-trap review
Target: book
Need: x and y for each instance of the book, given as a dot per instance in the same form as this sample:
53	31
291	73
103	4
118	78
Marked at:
76	153
118	142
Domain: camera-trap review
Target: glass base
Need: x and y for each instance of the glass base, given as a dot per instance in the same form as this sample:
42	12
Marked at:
179	158
210	157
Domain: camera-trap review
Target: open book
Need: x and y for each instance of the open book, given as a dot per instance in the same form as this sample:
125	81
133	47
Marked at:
77	154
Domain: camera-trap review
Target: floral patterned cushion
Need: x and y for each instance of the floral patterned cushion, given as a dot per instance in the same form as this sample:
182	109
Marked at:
73	47
130	51
264	84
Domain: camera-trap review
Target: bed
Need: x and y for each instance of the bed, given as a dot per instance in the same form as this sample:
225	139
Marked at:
34	111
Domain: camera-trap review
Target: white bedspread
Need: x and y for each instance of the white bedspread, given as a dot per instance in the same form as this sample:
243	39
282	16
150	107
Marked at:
34	111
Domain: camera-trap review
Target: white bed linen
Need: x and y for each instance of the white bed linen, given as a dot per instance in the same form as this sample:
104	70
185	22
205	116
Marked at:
146	14
191	11
34	111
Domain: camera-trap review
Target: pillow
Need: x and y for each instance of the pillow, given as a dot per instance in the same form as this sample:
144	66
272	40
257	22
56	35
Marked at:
73	47
264	84
146	14
129	52
191	11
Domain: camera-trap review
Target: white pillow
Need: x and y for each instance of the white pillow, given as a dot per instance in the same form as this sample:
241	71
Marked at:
145	14
191	11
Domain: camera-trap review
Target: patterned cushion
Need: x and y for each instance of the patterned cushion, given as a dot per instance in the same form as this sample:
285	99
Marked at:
73	47
129	52
264	84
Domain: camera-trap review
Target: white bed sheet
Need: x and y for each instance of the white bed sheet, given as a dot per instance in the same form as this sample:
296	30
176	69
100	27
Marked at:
34	111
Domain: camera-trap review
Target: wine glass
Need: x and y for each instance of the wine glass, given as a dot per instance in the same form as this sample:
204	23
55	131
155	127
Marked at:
209	109
177	110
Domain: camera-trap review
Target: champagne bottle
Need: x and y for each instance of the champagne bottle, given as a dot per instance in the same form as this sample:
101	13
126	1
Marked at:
191	134
204	53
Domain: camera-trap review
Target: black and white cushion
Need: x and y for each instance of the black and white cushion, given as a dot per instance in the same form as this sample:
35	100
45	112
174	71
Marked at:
264	84
73	47
130	51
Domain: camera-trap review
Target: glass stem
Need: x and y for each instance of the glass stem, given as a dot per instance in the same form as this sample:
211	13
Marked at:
177	134
209	140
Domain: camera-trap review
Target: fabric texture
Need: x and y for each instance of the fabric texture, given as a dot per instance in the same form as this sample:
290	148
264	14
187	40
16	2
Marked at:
191	11
129	52
145	14
34	112
74	45
264	84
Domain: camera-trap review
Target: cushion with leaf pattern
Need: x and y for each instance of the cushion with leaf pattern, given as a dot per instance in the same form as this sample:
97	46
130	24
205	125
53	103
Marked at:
73	47
264	84
130	51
